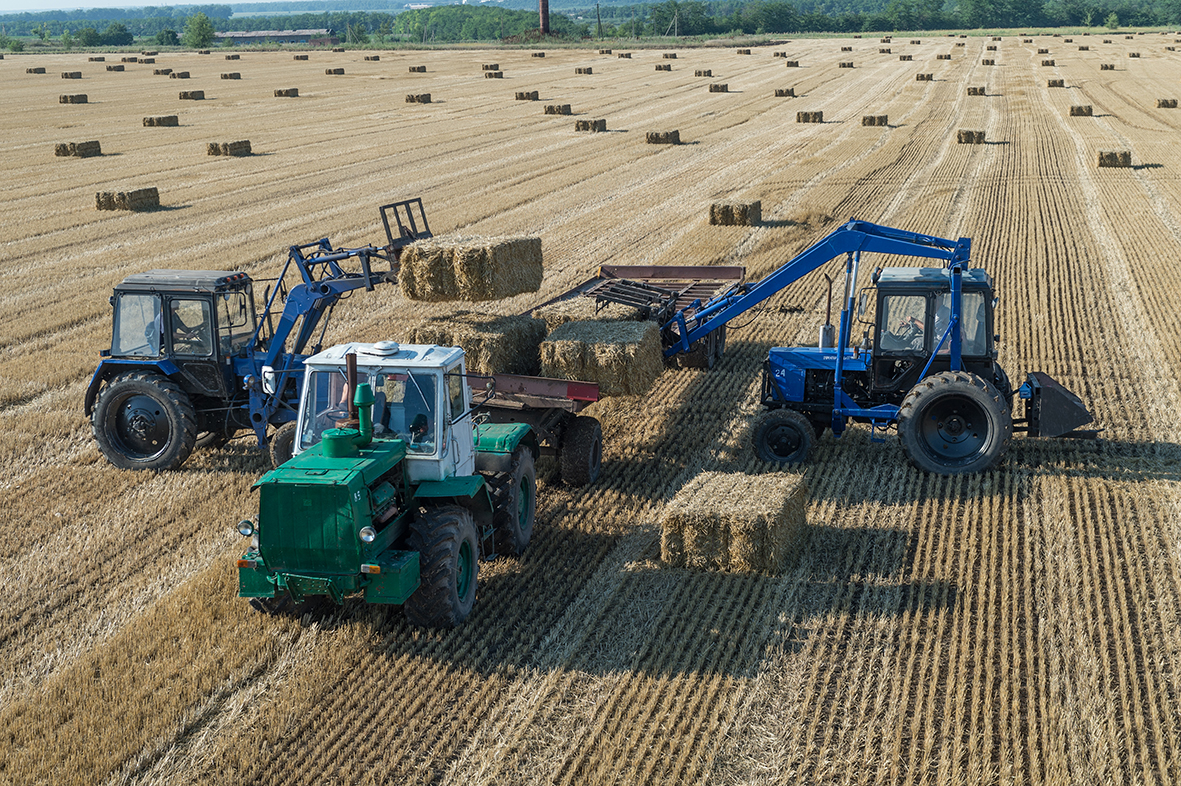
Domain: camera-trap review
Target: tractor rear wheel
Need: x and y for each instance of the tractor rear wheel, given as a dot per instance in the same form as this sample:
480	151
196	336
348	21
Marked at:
282	444
954	423
448	553
144	421
581	456
783	436
517	505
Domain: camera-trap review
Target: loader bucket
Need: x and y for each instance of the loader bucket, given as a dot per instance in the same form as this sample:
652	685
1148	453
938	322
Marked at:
1051	409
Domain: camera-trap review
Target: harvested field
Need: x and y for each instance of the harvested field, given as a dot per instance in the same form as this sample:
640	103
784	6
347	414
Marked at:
1019	626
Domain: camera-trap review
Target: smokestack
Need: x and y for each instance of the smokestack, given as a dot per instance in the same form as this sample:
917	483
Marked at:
544	17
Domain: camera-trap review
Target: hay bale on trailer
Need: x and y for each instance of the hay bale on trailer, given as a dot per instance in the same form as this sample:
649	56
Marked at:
526	95
232	75
584	309
178	75
557	109
719	88
666	67
441	269
491	66
334	71
1166	103
300	57
586	70
924	77
493	344
593	126
740	214
192	95
707	72
161	72
1082	110
420	69
663	137
624	358
140	199
809	117
494	75
75	98
736	522
287	92
875	120
418	98
1115	158
161	120
71	74
785	92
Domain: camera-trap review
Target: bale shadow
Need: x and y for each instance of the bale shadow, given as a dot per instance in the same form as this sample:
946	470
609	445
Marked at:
1148	166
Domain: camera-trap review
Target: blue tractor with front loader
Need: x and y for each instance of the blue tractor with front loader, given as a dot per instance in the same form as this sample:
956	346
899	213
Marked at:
926	366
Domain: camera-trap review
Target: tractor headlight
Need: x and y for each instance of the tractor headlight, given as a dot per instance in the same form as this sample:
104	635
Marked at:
367	534
245	528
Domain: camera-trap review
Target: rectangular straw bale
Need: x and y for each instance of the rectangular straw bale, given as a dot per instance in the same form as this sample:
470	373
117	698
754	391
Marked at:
584	309
1106	67
239	148
913	41
1055	83
494	75
373	58
961	43
418	98
965	137
557	109
785	92
664	67
845	65
161	71
338	49
1166	103
719	88
987	62
1115	158
1084	49
178	75
71	74
37	70
109	68
86	149
287	92
884	51
706	72
526	95
624	358
1107	40
604	51
875	120
62	149
736	522
1133	54
670	55
492	66
625	55
885	40
942	57
537	54
586	70
993	49
809	117
162	120
231	75
1068	40
493	344
905	58
192	95
149	53
924	77
98	59
233	57
213	148
743	52
594	126
779	54
129	59
418	69
663	137
334	71
1027	40
846	49
1043	51
299	57
470	268
75	98
1047	63
147	60
736	213
1083	110
791	64
202	51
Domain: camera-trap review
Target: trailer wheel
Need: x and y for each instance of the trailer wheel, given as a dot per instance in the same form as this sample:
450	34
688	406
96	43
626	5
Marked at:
214	439
783	436
954	423
143	421
282	445
517	506
581	456
448	553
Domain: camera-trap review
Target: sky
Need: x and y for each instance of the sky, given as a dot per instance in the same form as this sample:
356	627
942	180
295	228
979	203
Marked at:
14	6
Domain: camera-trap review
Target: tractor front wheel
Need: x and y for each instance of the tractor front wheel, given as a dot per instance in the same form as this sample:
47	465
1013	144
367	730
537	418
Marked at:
517	505
282	445
954	423
143	421
783	436
448	554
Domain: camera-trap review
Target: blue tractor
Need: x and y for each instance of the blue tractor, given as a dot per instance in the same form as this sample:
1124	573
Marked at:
192	363
926	365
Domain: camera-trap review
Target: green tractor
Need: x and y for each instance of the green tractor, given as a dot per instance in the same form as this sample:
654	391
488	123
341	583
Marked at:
398	488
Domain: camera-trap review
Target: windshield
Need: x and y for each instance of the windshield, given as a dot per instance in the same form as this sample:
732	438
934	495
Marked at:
235	320
404	406
138	326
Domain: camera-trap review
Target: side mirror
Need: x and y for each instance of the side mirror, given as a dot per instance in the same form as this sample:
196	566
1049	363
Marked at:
861	303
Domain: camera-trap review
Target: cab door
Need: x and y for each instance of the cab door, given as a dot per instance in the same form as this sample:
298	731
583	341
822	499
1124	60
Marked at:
460	434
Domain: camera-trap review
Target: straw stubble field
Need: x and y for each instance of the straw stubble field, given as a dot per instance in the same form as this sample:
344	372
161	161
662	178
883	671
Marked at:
1020	626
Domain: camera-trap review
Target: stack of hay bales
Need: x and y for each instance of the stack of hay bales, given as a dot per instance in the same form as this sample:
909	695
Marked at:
670	55
875	120
71	74
192	95
1133	54
470	268
942	57
1055	83
373	58
161	71
334	71
792	64
914	41
526	95
98	59
491	66
736	522
993	49
147	60
785	92
1166	103
779	54
162	120
1118	158
905	58
231	75
109	68
719	88
1047	63
140	199
1040	51
987	62
743	52
418	98
965	137
884	51
706	72
584	309
240	148
287	92
586	70
809	117
1084	49
537	54
744	214
79	149
976	91
1083	110
75	98
663	137
625	55
846	49
1106	67
493	344
847	64
624	358
557	109
494	75
664	67
418	69
130	59
594	126
604	51
233	57
924	77
202	51
178	75
300	57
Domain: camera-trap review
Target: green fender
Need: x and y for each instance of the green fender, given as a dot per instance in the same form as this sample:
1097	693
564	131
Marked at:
470	492
496	442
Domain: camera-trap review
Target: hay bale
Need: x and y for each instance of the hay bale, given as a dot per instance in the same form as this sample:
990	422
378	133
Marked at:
493	344
1117	158
104	200
809	117
785	92
594	126
150	54
885	40
587	70
418	98
625	55
34	70
299	57
779	54
924	77
161	71
942	57
129	59
670	55
162	120
743	52
1166	103
1170	49
75	98
232	75
846	49
976	91
700	72
997	37
1043	51
875	120
1084	49
1106	67
905	58
915	41
663	137
338	49
526	95
287	92
987	62
1068	40
239	148
1128	37
624	358
584	309
1107	40
557	109
537	54
202	51
1083	110
140	199
192	95
664	67
334	72
845	65
960	44
990	48
1055	83
71	74
470	268
233	57
884	51
84	149
109	68
1133	54
494	75
373	58
1047	63
792	64
719	88
736	213
98	59
736	522
418	69
178	75
1027	40
491	66
62	149
213	148
965	137
604	51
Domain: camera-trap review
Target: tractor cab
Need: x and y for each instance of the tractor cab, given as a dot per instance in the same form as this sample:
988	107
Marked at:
197	319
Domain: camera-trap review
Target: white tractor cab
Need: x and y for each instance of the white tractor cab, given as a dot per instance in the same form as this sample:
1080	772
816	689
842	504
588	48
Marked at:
420	395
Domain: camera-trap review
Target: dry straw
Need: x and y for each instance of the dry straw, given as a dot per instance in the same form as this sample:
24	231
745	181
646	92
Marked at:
98	59
1040	51
719	88
594	126
537	54
993	49
584	309
670	55
78	149
663	137
846	49
1083	110
1084	49
1047	63
1115	158
1133	54
162	120
470	268
736	522
914	41
147	60
744	214
1055	83
287	92
75	98
779	54
624	358
130	59
140	199
493	344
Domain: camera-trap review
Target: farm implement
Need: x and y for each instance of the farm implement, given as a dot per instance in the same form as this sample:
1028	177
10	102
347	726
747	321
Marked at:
925	366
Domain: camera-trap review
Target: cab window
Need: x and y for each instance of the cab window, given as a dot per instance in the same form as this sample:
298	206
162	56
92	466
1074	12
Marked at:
973	323
191	327
235	320
903	323
138	325
456	393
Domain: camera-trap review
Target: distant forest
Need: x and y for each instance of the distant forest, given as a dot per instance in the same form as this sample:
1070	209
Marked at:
454	23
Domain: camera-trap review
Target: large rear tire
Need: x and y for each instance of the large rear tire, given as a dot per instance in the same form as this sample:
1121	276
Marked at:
517	505
581	455
143	421
448	554
783	436
954	423
282	444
